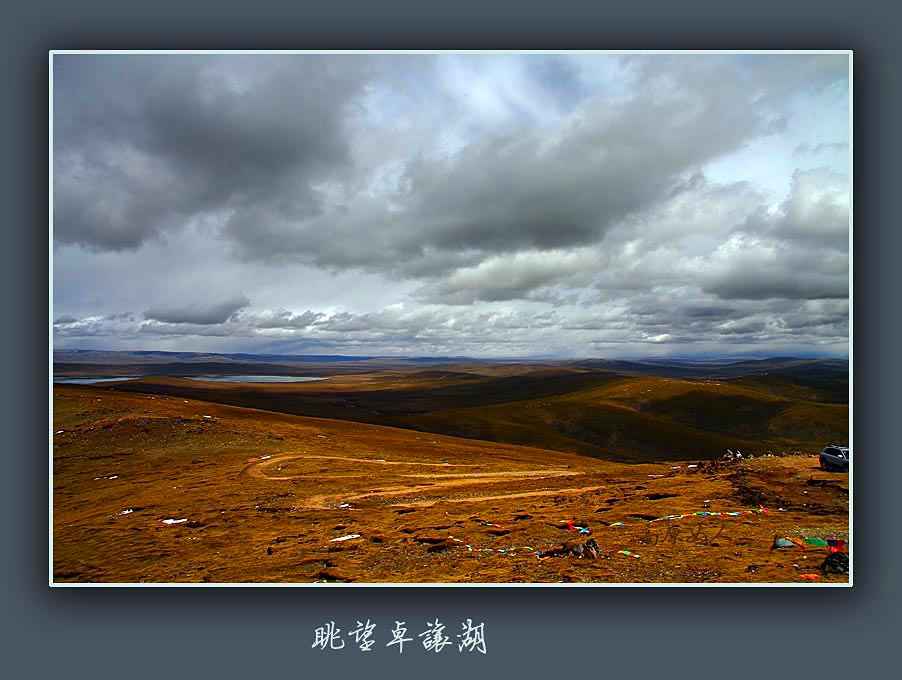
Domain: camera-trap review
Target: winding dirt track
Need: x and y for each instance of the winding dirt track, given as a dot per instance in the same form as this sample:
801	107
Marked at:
258	468
505	496
258	465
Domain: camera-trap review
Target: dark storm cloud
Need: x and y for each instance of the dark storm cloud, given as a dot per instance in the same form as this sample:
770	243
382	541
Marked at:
552	187
745	327
707	312
522	275
146	144
819	316
706	237
205	314
447	204
762	283
187	329
799	252
662	316
259	149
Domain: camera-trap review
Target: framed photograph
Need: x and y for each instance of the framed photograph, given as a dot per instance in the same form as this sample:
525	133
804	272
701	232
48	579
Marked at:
451	318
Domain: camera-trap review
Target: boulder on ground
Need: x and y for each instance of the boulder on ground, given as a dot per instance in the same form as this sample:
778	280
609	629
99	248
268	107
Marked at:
836	563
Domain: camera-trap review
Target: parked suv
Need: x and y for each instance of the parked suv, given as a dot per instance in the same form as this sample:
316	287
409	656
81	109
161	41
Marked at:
835	458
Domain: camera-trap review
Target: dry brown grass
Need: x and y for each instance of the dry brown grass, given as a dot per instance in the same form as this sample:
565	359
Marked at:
263	496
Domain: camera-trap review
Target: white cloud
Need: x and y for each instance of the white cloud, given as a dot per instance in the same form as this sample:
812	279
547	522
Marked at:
473	204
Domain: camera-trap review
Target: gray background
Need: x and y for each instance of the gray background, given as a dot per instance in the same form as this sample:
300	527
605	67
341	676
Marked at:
257	632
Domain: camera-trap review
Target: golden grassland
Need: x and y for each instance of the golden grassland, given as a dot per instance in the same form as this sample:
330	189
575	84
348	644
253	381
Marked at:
264	493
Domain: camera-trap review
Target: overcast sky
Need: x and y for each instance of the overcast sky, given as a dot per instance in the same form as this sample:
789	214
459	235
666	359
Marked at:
479	205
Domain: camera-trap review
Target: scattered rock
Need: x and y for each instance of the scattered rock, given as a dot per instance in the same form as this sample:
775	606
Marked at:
589	549
836	563
332	574
439	547
556	552
433	540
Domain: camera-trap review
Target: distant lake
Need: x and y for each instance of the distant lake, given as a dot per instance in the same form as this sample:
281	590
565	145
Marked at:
64	380
250	378
90	380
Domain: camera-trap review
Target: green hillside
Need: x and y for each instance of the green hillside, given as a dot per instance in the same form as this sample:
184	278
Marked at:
599	414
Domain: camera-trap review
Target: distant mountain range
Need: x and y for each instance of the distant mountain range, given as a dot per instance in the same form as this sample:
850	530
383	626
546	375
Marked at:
99	356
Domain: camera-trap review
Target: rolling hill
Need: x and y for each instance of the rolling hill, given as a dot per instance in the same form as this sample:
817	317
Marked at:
150	488
623	411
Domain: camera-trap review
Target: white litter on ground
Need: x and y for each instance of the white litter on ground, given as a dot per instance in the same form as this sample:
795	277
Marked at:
265	457
59	431
344	538
322	436
127	512
692	466
208	416
186	401
113	477
345	505
174	521
380	460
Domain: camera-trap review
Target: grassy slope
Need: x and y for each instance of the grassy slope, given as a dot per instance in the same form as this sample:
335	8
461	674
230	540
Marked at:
642	419
123	462
602	415
819	389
